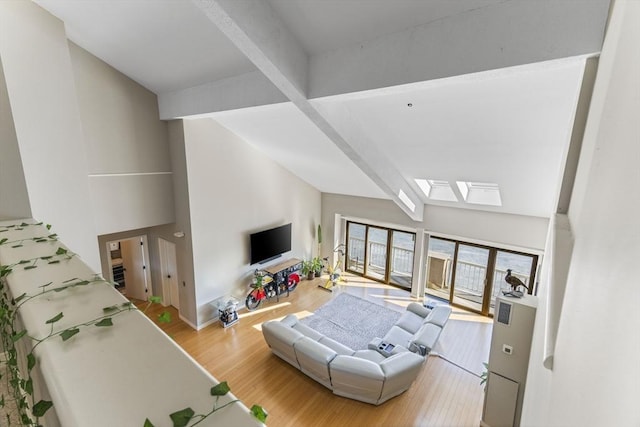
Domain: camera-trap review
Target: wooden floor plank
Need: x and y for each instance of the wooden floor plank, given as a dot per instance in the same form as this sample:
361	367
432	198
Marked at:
442	395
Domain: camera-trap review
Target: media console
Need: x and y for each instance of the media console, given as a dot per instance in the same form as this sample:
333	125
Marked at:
280	272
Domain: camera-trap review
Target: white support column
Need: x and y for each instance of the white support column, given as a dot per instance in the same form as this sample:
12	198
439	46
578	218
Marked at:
419	260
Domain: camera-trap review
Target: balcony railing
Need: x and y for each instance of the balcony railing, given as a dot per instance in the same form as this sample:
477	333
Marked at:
401	258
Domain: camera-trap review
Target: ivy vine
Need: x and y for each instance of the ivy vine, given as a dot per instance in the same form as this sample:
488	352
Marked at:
21	389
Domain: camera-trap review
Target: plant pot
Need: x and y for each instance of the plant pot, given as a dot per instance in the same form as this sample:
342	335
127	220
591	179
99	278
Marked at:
317	273
310	275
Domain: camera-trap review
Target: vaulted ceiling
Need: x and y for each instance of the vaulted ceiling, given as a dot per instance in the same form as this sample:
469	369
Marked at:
363	97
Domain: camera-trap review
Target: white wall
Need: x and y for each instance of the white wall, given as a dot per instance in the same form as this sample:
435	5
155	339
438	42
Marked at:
14	200
39	80
235	190
596	373
127	147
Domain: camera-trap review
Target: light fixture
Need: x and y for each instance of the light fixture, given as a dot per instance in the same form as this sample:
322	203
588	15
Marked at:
178	234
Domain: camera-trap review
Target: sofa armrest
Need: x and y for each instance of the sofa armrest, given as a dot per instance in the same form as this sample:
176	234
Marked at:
289	320
425	339
400	363
439	315
418	309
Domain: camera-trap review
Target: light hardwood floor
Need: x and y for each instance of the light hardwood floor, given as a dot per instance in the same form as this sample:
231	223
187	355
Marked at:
444	394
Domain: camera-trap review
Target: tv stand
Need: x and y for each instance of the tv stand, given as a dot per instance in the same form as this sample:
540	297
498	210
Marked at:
280	272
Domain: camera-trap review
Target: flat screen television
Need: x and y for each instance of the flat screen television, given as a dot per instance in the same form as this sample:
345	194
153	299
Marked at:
269	244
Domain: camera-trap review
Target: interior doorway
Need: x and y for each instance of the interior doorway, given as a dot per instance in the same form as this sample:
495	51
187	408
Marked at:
169	272
128	259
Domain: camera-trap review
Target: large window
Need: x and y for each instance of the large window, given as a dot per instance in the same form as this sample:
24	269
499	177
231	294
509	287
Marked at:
472	275
381	253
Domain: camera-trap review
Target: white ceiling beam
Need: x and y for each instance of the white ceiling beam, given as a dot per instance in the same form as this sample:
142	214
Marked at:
243	91
258	33
506	34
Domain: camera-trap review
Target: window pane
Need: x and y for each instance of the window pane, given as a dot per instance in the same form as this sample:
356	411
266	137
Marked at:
520	266
440	254
402	251
377	255
471	272
355	249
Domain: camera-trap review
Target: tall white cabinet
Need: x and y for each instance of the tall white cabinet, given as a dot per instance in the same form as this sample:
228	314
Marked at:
509	360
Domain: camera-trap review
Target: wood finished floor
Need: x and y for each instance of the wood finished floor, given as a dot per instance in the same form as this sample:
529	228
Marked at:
442	395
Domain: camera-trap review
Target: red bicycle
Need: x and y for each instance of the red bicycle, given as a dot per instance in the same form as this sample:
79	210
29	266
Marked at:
264	287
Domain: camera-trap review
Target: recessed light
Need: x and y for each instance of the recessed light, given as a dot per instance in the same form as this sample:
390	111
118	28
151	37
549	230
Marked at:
409	105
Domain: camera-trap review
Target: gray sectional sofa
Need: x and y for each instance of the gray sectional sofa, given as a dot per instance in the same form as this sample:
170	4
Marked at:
384	370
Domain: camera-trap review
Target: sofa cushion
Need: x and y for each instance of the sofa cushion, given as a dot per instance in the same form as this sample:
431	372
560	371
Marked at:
307	331
410	322
439	315
398	336
314	359
281	339
425	339
336	346
356	378
418	309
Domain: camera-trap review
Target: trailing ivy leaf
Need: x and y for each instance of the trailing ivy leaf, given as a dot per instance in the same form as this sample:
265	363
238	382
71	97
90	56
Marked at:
164	317
24	261
16	246
2	241
48	226
61	251
19	228
155	299
40	408
24	224
16	337
45	285
61	288
81	283
55	261
40	240
52	236
126	304
26	420
31	361
147	423
55	318
105	322
110	309
260	413
46	257
2	231
28	387
20	298
220	389
182	418
65	335
70	280
5	271
30	267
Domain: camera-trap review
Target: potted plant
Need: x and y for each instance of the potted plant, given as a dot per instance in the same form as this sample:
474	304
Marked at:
307	269
317	266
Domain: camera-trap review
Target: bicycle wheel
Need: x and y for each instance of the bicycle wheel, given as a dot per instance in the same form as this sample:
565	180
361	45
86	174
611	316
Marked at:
253	301
294	279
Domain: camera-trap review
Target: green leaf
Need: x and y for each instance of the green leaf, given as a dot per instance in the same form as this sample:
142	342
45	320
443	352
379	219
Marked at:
155	299
30	267
24	261
182	418
16	337
105	322
126	304
31	361
20	298
24	224
5	271
54	319
110	309
55	261
220	389
164	317
16	246
81	283
28	387
52	236
40	408
65	335
40	239
2	241
61	251
46	257
147	423
259	412
45	285
48	226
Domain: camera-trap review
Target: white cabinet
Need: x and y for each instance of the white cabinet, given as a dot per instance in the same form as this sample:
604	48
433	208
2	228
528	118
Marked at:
509	360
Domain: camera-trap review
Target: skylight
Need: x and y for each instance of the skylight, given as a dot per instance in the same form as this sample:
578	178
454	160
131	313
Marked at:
480	193
437	189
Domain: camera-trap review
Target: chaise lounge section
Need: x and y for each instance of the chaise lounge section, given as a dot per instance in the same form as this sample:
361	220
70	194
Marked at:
372	375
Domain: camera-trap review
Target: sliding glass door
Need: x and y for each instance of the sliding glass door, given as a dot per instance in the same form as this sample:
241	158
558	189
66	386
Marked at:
383	254
471	275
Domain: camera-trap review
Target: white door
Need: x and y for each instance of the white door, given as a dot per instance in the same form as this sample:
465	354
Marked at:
136	275
169	271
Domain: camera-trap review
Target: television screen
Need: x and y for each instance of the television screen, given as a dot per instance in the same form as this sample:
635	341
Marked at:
268	244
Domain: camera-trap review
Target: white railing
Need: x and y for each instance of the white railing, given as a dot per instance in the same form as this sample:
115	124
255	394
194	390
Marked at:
470	279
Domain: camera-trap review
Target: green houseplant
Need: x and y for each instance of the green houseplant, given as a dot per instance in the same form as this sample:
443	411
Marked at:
307	269
317	266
